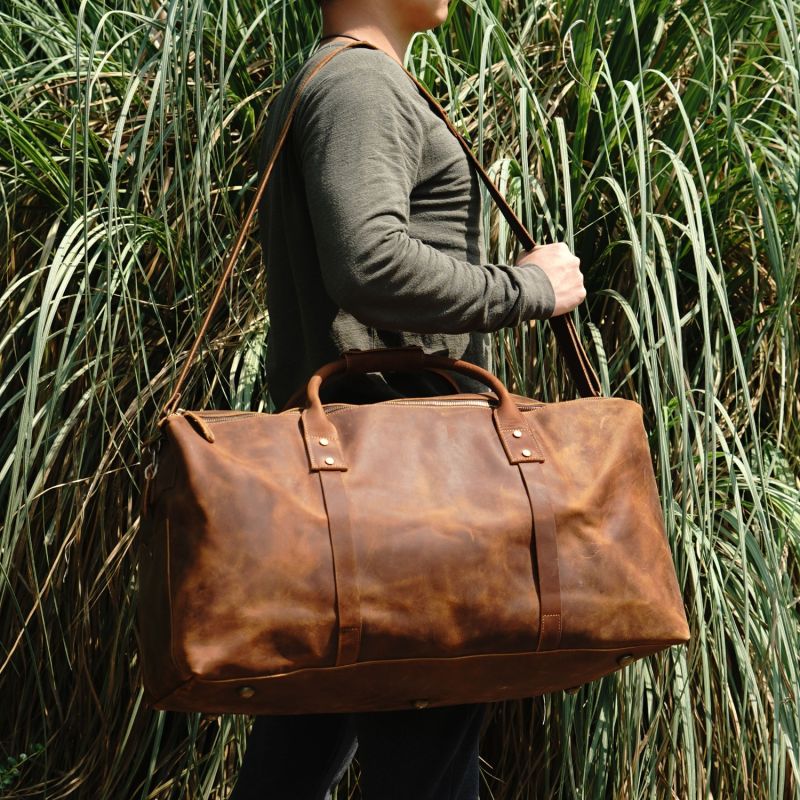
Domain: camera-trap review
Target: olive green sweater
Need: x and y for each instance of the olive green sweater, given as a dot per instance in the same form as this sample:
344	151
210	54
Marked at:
371	228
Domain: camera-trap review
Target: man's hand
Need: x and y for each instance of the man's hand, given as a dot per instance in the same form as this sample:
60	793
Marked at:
563	270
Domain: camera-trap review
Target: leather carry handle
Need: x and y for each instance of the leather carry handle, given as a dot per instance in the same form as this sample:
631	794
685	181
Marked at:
356	360
405	359
569	344
299	396
319	431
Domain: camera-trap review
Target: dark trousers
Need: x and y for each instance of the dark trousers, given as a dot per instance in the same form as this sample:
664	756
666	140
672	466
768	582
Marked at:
427	754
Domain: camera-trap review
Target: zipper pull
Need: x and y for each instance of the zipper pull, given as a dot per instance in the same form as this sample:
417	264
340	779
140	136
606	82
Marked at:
198	424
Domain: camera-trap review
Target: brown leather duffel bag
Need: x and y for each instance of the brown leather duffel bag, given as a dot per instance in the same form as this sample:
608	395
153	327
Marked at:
407	553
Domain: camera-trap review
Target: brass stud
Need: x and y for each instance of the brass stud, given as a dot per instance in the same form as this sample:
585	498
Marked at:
628	658
246	692
420	703
323	441
516	433
329	460
526	452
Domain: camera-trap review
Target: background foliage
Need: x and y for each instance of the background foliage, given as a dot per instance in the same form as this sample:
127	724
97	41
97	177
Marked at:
659	138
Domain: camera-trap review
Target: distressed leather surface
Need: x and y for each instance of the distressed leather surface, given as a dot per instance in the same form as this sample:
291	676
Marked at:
424	555
273	582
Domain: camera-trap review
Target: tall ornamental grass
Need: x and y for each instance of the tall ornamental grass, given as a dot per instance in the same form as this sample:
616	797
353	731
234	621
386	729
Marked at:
658	138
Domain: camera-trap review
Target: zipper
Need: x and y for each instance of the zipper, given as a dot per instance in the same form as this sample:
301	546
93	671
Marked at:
420	402
211	417
479	403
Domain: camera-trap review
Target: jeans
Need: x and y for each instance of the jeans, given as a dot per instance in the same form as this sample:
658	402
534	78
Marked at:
426	754
414	754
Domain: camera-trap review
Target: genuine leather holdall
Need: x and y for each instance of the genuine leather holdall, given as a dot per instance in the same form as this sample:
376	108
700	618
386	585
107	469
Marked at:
414	552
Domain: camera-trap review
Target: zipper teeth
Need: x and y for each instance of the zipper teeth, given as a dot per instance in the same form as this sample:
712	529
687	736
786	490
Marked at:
479	403
213	418
409	402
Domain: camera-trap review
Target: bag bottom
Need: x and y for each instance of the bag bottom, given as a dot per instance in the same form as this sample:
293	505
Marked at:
402	684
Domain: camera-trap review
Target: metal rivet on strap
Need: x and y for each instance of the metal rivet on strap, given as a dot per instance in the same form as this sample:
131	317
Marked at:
246	692
628	658
526	452
516	433
420	703
329	460
323	441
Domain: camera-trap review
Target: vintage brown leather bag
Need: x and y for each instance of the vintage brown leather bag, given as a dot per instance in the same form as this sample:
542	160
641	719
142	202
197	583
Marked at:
401	554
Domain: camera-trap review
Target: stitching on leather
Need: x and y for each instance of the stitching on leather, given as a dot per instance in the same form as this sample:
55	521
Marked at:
661	643
559	621
513	428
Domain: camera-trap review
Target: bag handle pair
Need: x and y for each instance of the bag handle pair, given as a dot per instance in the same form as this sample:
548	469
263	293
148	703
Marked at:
580	368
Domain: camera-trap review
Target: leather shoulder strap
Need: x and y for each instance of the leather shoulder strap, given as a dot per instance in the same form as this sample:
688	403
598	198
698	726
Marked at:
580	368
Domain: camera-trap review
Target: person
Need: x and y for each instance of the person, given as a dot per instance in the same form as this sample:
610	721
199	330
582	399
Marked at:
371	237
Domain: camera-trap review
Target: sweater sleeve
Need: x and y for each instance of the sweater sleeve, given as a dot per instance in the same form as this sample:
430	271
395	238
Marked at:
359	140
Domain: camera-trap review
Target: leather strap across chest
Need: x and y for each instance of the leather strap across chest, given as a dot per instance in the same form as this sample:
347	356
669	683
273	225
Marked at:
586	380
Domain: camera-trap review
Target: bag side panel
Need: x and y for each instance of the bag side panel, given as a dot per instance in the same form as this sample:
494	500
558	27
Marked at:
161	674
618	581
252	572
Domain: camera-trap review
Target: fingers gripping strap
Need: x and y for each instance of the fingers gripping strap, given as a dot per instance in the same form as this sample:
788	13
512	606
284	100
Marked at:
586	380
566	336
